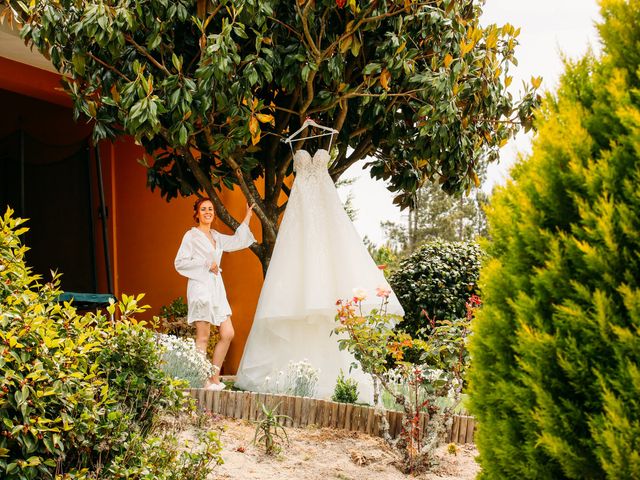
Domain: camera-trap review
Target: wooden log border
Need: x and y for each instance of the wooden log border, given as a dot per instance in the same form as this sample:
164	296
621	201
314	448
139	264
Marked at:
304	412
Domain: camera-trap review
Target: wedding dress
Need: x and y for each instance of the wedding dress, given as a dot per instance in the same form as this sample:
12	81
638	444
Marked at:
318	258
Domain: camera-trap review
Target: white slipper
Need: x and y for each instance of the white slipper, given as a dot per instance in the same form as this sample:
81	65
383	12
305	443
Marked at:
216	387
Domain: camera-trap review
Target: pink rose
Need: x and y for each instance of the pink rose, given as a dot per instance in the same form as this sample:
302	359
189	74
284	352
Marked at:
383	292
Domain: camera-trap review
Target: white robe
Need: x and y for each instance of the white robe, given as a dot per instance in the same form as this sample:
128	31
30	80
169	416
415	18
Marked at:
206	295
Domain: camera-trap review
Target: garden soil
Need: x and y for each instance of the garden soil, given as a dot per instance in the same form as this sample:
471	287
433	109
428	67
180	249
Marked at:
321	453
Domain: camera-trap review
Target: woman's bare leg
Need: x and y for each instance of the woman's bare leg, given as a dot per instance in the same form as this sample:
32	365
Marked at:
222	347
203	330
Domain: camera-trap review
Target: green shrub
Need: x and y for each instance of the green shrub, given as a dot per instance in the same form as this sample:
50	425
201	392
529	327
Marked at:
161	458
346	390
76	391
51	395
436	281
130	359
555	376
173	319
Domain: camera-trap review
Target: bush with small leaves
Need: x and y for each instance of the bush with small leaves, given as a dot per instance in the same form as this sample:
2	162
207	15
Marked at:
346	390
435	283
161	458
76	391
182	360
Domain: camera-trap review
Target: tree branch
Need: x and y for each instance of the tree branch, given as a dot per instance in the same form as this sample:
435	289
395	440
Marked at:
282	173
338	122
288	27
330	49
110	67
287	110
204	181
310	94
284	166
251	193
181	178
411	94
221	211
358	132
283	207
323	25
146	54
361	151
305	27
273	183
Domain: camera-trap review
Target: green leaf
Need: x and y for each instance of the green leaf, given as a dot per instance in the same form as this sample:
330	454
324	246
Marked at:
177	62
239	31
372	68
154	41
183	135
305	73
78	63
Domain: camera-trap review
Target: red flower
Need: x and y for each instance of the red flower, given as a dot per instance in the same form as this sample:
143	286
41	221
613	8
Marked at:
341	3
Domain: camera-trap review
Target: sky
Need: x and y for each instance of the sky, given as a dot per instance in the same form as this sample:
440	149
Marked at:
549	29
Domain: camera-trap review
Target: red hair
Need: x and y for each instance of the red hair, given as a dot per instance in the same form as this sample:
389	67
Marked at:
196	207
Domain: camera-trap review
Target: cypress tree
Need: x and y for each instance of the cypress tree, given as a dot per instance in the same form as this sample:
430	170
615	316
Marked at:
555	375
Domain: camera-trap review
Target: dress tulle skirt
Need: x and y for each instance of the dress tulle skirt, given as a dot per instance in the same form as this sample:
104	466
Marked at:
318	259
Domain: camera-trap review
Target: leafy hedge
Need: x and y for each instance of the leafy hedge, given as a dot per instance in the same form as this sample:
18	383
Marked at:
437	279
79	395
555	377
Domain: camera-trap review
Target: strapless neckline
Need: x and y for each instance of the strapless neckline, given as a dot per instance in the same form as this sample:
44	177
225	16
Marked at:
309	153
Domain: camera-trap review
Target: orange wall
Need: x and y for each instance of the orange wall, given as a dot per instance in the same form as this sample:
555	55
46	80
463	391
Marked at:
148	231
144	230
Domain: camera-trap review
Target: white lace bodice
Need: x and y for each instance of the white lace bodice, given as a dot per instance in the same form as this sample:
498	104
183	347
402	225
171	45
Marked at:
307	166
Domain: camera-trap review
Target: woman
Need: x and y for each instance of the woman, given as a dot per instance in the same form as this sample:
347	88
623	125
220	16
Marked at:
198	259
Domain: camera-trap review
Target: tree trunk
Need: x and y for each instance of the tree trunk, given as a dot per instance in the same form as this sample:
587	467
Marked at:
265	255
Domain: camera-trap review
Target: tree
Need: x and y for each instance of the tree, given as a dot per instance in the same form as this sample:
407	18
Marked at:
436	215
209	88
556	347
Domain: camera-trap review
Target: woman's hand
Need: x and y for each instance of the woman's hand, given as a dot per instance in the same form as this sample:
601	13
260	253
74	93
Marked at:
249	213
214	268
